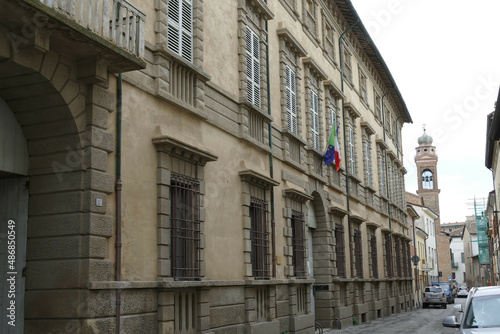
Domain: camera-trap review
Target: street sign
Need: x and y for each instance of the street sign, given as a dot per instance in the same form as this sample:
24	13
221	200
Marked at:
415	259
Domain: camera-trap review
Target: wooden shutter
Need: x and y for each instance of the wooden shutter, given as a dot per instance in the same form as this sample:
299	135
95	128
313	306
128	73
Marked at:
291	100
253	67
180	28
314	120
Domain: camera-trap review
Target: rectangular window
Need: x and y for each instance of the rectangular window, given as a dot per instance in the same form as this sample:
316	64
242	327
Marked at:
363	92
378	106
358	253
347	65
185	227
391	181
398	257
340	250
373	246
352	161
388	255
253	67
333	119
259	234
291	100
463	257
382	173
180	28
368	162
298	243
314	106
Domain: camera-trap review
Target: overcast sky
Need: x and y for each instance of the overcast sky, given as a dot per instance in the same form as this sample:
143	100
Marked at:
445	58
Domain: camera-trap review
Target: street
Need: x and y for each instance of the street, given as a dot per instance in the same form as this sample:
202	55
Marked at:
425	321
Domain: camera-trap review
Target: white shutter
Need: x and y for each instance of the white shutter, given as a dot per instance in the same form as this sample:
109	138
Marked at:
180	28
291	100
253	67
314	120
333	120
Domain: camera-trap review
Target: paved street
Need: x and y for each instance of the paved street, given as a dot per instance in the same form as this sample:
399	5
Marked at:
424	321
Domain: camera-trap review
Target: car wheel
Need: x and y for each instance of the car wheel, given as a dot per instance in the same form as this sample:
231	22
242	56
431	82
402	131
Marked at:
443	306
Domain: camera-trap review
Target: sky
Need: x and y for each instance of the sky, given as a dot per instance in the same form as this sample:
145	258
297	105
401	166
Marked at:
444	56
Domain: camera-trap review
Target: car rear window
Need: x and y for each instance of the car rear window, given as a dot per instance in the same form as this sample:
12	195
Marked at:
433	289
445	287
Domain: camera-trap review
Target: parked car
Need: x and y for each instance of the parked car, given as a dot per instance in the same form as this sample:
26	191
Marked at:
434	295
480	313
450	295
463	291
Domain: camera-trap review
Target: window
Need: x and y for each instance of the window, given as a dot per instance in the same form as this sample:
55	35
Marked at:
373	249
185	227
397	246
340	250
291	100
333	120
358	253
427	180
352	154
298	244
328	39
388	255
347	65
310	20
180	28
314	111
381	171
391	180
363	92
259	235
368	163
253	67
378	105
462	255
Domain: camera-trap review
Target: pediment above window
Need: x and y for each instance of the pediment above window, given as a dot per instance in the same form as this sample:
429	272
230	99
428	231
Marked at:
258	179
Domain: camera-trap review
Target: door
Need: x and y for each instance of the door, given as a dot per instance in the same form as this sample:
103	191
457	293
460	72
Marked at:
13	236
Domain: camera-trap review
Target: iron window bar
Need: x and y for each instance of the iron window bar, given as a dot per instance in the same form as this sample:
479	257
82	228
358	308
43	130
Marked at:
298	243
259	235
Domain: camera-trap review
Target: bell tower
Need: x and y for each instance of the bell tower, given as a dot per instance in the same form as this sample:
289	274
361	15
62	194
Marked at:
426	160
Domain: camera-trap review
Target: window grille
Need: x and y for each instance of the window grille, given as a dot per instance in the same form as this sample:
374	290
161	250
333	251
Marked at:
358	253
373	245
180	28
185	227
397	245
291	100
388	255
298	243
253	67
314	120
340	250
260	238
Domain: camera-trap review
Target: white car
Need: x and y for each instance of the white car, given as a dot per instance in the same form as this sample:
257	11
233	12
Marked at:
463	292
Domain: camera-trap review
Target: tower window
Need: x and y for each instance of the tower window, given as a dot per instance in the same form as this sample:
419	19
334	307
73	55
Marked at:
427	180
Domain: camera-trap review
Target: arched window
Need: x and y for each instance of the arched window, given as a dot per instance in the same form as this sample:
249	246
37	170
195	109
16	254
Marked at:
427	180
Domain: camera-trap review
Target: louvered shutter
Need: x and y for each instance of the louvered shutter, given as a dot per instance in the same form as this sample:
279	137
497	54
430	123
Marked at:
291	100
333	120
253	67
180	28
314	120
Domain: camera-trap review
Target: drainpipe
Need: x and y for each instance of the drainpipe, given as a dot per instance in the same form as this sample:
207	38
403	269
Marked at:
271	167
345	140
387	175
118	193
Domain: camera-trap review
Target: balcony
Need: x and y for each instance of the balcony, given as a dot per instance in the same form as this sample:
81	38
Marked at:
454	264
109	31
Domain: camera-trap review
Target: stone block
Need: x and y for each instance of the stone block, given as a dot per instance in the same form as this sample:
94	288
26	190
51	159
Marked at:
59	304
102	97
96	159
139	301
302	322
270	327
100	138
220	296
99	181
141	323
227	315
61	76
65	202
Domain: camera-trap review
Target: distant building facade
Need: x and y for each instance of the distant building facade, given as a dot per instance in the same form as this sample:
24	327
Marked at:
455	232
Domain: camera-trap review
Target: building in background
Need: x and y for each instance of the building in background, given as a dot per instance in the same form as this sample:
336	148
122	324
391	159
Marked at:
492	162
455	232
426	159
426	224
163	167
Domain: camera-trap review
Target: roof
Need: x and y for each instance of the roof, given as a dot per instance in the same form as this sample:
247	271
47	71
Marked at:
492	132
486	291
351	16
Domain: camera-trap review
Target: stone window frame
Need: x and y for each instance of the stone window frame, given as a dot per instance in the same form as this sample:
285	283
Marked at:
389	258
350	121
363	87
347	60
175	156
371	231
366	138
333	96
180	81
291	8
253	14
310	20
329	37
290	52
381	165
253	184
313	76
337	217
295	200
356	222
